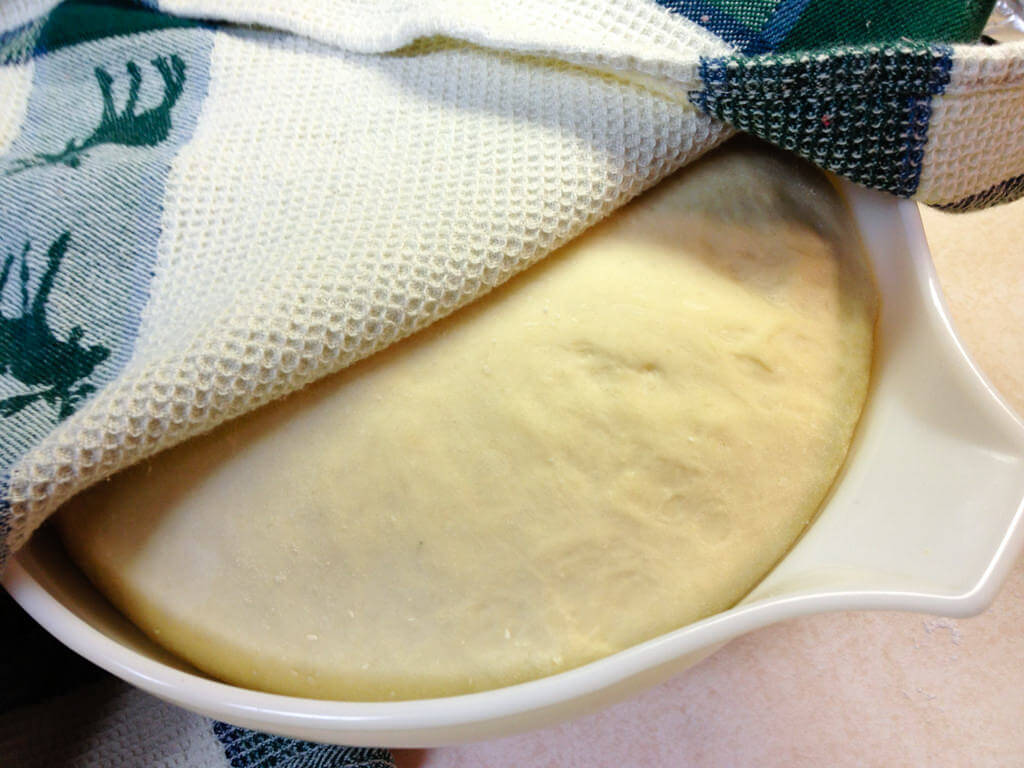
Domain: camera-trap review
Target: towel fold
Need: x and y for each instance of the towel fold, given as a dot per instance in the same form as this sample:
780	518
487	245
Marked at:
207	204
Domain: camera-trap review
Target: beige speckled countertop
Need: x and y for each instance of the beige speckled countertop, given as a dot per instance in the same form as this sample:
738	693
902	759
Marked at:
849	689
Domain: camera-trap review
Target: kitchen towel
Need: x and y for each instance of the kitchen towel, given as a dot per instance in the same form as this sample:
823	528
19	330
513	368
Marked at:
59	711
206	204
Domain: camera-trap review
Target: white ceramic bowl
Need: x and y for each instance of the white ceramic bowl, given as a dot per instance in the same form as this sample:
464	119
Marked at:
925	517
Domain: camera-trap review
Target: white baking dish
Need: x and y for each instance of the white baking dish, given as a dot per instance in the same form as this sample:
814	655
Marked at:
925	517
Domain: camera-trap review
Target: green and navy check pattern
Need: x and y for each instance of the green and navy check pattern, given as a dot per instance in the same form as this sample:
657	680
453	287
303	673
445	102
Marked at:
860	112
43	672
848	86
852	86
80	21
250	749
34	668
767	26
104	154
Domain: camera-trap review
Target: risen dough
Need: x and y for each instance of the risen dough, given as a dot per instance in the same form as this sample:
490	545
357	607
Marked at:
619	442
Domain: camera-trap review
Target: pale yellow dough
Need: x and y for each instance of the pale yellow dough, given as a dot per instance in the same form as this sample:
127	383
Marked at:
619	442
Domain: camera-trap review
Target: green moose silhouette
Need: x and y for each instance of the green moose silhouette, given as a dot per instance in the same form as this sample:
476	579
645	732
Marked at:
128	128
31	352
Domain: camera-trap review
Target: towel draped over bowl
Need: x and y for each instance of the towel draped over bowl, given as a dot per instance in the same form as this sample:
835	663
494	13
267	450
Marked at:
207	204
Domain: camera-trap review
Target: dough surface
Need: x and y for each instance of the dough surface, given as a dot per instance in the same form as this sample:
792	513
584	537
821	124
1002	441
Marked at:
618	442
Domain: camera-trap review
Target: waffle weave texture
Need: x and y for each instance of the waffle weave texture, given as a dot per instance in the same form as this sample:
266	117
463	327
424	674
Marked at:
205	205
198	216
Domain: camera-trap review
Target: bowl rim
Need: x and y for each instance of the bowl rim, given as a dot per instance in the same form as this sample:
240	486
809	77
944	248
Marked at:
411	722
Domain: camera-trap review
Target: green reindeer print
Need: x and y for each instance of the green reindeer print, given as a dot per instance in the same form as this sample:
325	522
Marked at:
31	352
125	127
